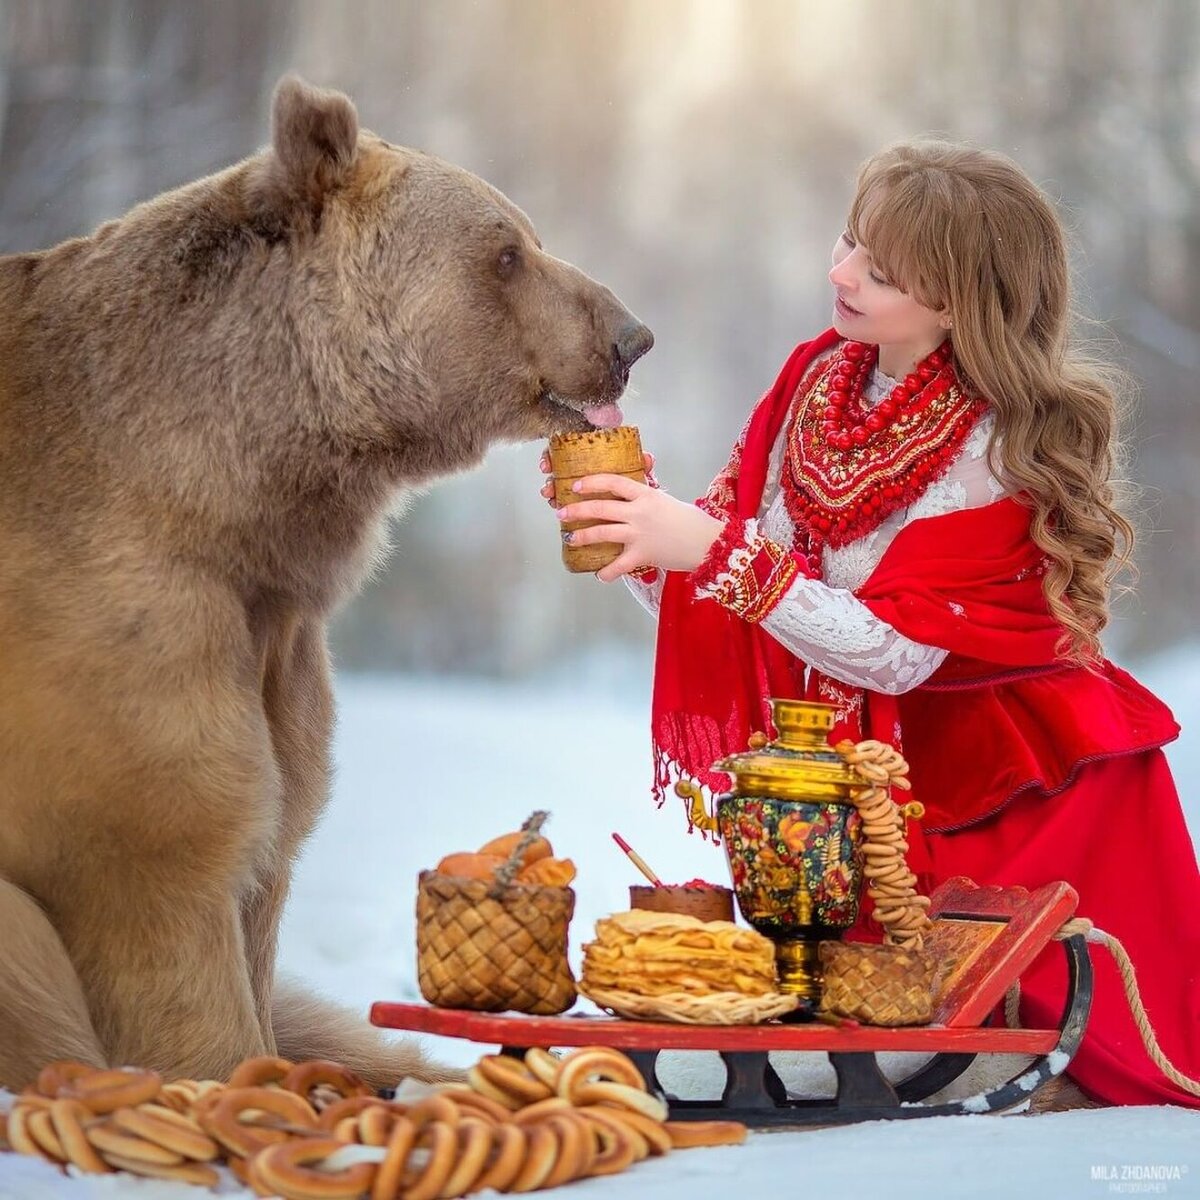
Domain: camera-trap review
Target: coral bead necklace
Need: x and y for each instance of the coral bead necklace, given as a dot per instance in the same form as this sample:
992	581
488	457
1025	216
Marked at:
849	467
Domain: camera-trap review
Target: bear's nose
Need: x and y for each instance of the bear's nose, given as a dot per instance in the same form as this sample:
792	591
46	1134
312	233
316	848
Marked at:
632	342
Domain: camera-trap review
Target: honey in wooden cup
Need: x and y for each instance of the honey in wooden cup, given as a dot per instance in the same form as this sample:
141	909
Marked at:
597	452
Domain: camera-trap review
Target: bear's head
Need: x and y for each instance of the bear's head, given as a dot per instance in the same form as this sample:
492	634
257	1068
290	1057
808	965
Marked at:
426	301
267	356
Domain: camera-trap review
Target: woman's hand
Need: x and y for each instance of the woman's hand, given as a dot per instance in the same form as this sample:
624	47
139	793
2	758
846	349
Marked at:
547	488
655	529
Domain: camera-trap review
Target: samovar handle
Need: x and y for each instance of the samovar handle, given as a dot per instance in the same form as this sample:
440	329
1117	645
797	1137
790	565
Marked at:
697	813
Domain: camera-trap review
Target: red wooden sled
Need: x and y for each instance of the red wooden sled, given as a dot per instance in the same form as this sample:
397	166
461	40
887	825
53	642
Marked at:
990	936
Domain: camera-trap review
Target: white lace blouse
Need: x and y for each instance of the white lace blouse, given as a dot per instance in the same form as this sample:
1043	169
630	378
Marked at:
821	621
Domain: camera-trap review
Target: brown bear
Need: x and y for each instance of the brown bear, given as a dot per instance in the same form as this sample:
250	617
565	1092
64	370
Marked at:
208	409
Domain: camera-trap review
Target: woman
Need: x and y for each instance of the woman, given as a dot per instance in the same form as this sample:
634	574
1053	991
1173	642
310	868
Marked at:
918	526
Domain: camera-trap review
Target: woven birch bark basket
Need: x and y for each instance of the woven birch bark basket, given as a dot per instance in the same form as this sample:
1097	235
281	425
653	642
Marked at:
494	945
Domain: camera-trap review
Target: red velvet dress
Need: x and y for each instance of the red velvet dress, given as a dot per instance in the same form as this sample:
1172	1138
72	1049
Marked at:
1031	770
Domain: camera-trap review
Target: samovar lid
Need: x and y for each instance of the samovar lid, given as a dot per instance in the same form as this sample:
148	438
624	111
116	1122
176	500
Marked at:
800	756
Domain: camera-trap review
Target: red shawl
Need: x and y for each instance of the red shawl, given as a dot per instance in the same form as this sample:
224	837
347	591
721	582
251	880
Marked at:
968	582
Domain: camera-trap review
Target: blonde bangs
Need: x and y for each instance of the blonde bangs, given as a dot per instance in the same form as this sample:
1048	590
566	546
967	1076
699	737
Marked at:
899	216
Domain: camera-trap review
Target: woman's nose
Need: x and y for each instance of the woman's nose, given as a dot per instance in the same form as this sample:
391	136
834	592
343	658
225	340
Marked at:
841	274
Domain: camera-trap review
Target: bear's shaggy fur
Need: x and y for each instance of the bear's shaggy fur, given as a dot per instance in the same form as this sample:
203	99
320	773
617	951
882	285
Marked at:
207	409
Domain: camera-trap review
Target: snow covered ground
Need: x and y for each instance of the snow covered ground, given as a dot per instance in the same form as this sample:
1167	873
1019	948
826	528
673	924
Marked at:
426	767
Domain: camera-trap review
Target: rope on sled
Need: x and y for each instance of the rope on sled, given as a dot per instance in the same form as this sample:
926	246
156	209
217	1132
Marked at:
1081	925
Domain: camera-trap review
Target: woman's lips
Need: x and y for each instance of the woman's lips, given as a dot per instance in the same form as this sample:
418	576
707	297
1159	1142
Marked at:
844	310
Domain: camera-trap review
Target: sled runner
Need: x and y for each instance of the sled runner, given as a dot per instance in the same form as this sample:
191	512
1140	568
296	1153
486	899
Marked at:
988	935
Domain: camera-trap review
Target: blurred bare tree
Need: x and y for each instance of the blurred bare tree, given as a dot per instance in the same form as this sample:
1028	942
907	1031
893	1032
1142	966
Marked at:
697	156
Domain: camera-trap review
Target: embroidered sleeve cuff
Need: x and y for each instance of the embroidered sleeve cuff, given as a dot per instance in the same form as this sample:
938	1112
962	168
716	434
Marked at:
745	571
710	506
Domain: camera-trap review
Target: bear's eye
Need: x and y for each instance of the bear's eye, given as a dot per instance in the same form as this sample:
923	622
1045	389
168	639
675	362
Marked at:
508	260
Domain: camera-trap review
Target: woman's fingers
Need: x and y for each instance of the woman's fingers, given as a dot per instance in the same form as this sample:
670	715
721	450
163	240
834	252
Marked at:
623	564
616	485
544	463
647	461
599	533
595	510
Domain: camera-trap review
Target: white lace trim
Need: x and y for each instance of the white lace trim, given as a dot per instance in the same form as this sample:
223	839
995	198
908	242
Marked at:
832	630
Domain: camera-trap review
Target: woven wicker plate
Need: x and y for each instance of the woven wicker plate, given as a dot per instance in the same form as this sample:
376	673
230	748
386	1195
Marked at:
718	1008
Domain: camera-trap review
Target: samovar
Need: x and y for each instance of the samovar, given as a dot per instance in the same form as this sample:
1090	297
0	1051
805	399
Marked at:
792	836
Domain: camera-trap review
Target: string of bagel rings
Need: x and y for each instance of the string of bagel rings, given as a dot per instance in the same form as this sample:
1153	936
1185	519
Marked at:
890	883
315	1131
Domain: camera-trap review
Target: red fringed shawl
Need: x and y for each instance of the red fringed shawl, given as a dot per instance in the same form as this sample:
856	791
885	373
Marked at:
1001	715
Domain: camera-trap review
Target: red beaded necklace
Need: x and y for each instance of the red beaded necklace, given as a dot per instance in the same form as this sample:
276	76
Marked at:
848	467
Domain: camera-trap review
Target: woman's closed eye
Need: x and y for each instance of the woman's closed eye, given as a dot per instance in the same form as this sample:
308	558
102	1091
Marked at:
848	238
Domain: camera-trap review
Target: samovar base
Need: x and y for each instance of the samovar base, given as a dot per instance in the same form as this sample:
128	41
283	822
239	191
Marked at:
799	972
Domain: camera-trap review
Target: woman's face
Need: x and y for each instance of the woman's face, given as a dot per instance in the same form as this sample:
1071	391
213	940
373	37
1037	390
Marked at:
870	308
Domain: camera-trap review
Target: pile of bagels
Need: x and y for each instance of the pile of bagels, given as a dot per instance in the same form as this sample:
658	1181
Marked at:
314	1130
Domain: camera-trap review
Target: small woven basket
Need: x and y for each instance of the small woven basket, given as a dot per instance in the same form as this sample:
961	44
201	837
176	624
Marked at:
877	984
493	947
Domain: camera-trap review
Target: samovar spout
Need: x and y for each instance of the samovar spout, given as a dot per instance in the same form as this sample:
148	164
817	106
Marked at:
697	813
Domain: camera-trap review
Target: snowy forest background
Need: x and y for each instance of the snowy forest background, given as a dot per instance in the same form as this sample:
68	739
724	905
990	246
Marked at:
695	155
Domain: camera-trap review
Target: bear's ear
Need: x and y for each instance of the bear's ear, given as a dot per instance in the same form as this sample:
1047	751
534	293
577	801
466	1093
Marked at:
314	132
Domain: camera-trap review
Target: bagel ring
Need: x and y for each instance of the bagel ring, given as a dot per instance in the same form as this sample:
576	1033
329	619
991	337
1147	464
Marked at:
618	1149
512	1076
685	1134
303	1077
386	1185
507	1158
19	1137
612	1116
168	1129
543	1065
474	1145
376	1122
471	1103
197	1173
533	1113
56	1075
484	1086
261	1071
595	1063
657	1140
541	1153
69	1117
426	1183
109	1140
621	1095
347	1106
41	1130
437	1107
576	1148
286	1168
104	1091
220	1120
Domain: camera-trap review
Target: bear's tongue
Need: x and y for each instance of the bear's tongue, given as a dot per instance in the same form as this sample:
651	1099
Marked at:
604	416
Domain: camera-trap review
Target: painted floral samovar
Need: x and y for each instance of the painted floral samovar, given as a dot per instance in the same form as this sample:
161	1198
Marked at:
792	835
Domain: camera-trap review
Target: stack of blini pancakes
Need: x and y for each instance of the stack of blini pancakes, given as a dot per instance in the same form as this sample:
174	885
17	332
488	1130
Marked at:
673	967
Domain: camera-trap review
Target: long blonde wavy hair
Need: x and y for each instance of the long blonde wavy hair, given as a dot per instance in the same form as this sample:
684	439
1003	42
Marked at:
968	231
